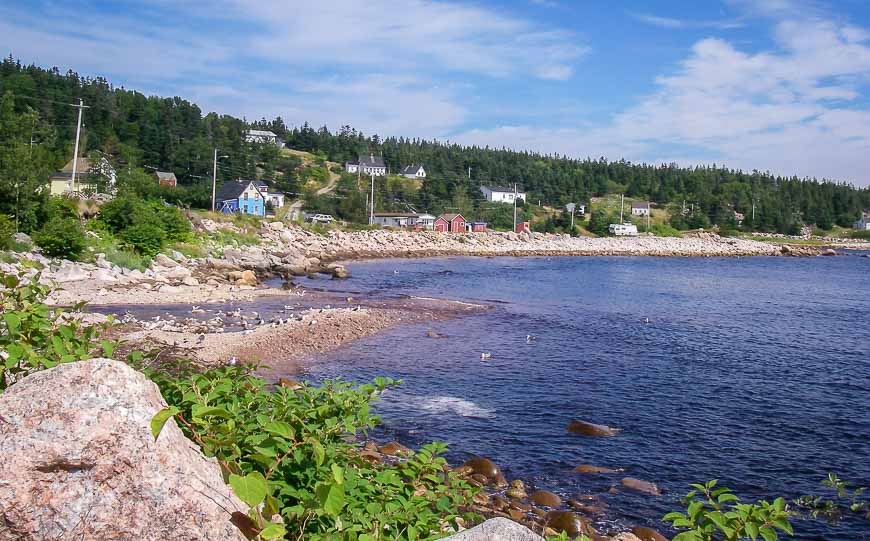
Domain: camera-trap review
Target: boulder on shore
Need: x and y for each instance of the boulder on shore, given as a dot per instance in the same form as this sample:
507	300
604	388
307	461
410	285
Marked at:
496	529
80	462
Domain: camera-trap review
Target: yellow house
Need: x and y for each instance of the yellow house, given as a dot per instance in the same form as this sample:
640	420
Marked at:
61	182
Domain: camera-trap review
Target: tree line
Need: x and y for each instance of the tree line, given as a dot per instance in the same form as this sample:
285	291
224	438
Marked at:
139	134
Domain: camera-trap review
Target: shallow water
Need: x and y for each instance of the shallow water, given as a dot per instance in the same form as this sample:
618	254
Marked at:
755	371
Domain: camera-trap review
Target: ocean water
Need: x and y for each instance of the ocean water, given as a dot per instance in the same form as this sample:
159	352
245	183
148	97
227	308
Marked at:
754	371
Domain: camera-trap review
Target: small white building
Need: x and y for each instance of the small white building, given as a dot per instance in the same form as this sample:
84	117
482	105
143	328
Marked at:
276	198
863	223
623	230
425	221
413	171
640	208
499	194
367	165
263	137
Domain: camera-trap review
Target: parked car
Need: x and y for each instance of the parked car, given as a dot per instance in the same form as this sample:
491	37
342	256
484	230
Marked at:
321	219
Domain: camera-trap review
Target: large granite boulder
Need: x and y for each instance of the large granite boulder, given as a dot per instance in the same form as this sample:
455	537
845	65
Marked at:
79	462
496	529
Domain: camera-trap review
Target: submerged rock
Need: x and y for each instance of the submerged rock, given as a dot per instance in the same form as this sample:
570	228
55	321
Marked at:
591	429
586	468
641	486
80	462
647	534
395	449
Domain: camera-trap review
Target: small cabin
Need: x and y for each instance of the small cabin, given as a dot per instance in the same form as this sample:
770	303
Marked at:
523	227
450	223
623	230
476	227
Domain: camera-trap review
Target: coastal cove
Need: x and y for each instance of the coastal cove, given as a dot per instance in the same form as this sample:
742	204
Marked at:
750	370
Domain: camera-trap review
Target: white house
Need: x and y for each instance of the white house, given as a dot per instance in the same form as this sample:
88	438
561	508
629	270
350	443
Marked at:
413	171
425	221
498	194
863	223
367	165
395	219
276	198
86	172
640	209
623	230
263	137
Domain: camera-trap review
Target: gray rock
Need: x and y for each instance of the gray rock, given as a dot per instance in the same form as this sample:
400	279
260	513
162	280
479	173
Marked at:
79	462
71	273
23	238
164	261
497	529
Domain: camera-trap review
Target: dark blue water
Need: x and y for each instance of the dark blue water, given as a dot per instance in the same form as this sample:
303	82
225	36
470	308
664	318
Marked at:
755	371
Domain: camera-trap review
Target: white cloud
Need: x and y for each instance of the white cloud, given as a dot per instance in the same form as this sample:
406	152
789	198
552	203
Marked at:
792	110
675	24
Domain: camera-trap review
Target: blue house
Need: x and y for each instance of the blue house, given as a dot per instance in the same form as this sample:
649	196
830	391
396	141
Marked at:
241	197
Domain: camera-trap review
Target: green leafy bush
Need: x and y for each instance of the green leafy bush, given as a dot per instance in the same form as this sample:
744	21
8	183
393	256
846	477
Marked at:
61	207
860	235
7	229
848	500
174	223
664	230
34	336
145	238
716	513
285	453
120	213
61	237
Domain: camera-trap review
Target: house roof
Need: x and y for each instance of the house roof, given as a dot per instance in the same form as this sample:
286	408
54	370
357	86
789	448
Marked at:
261	133
502	189
396	214
84	164
410	169
369	161
426	217
164	175
451	217
641	205
232	189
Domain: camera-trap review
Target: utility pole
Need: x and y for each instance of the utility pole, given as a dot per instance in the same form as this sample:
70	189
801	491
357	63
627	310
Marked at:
372	211
621	207
515	207
469	173
214	181
80	107
648	213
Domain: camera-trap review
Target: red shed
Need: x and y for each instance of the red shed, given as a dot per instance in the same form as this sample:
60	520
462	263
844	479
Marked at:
523	226
453	223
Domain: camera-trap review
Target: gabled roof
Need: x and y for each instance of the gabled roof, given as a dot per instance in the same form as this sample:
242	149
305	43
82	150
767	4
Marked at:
233	189
261	133
163	175
451	217
396	214
410	169
502	189
641	205
369	161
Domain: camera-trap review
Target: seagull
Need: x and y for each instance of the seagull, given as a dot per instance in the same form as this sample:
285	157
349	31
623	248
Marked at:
485	356
530	338
646	320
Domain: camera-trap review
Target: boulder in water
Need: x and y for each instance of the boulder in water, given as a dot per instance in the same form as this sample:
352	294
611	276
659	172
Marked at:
591	429
586	468
545	498
647	534
566	521
395	449
484	467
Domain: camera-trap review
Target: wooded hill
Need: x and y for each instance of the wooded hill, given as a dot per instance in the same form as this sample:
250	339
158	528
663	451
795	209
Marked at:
138	131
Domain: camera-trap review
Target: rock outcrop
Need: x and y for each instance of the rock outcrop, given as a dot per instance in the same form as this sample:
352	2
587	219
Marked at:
79	462
496	529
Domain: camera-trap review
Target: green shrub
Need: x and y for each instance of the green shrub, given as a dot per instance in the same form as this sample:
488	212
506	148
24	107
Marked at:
61	207
61	237
716	513
860	235
145	238
286	455
174	223
189	250
118	214
664	230
7	229
35	336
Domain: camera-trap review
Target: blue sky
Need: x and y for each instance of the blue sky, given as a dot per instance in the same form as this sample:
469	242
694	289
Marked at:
779	85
